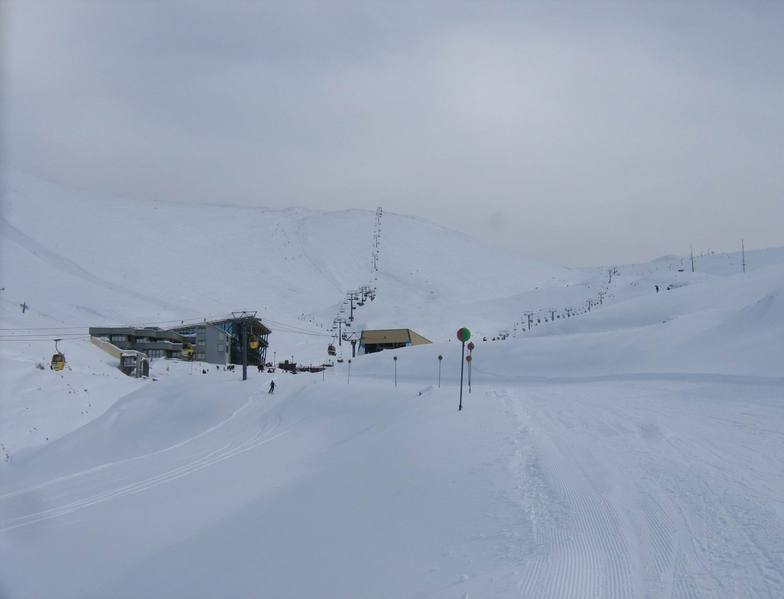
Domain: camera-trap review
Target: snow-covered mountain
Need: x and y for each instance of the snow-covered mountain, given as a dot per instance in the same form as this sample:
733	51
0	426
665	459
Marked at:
78	257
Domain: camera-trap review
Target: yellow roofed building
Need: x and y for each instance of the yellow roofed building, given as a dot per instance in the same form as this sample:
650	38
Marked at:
375	340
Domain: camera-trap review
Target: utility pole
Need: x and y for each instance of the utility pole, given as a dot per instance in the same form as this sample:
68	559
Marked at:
244	317
244	351
353	338
691	253
743	254
351	297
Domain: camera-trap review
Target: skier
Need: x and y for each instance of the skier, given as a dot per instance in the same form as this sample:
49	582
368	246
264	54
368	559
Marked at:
272	387
657	288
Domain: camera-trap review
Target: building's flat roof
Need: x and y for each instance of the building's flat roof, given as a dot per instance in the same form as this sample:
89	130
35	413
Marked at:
257	327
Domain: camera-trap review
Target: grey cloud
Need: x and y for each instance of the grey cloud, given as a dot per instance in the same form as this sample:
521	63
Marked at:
601	132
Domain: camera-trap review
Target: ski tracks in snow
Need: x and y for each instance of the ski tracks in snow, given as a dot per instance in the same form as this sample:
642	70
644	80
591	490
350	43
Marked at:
172	463
622	505
580	549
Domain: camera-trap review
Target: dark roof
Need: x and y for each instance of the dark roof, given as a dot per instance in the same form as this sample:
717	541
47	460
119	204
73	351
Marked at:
257	327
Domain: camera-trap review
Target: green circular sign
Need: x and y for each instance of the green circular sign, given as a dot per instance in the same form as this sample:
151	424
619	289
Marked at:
463	334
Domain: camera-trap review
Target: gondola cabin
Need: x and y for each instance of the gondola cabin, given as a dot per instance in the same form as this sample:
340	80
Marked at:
58	361
58	358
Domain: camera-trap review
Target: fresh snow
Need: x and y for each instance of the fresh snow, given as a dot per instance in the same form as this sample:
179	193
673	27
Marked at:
631	451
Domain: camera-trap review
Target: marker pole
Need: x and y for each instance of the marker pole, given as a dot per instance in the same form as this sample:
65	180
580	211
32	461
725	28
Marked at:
462	365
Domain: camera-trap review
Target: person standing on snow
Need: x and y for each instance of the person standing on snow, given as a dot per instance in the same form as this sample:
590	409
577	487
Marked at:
272	387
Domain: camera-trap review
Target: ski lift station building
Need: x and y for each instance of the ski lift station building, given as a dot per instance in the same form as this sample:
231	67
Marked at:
151	341
220	341
376	340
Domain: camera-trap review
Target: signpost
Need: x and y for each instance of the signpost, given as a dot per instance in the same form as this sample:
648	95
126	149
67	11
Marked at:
394	359
348	376
470	347
440	358
463	335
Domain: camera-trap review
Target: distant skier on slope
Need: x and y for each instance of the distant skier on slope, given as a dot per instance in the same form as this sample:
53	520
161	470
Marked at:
272	387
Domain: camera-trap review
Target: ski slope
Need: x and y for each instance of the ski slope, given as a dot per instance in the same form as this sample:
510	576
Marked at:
633	450
624	488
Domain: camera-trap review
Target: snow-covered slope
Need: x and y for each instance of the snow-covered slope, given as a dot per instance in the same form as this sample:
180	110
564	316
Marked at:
77	259
204	486
82	258
628	445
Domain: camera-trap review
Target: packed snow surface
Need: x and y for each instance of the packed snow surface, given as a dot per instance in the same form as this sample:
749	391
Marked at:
629	445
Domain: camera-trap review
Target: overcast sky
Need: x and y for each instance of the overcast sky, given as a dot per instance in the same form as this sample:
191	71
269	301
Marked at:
576	133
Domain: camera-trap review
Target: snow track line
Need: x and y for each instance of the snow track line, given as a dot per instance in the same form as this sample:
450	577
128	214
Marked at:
591	557
105	465
214	457
584	551
687	529
223	453
661	567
